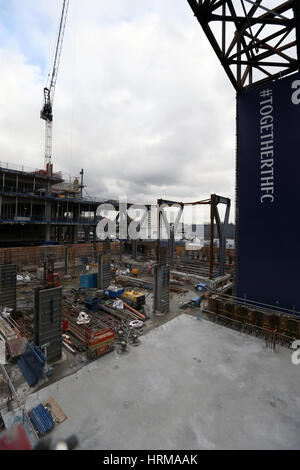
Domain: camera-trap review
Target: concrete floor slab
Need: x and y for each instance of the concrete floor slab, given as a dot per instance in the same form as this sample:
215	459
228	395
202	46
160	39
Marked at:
189	385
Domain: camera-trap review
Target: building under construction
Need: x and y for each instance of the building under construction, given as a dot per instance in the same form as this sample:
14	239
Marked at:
193	327
37	208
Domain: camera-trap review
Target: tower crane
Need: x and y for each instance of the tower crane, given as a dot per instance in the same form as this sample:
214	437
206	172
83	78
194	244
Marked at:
47	110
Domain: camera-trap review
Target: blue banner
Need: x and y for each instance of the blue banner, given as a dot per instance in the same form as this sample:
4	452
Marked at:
268	193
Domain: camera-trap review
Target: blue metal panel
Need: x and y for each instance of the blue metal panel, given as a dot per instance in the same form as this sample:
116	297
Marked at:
41	419
268	167
31	363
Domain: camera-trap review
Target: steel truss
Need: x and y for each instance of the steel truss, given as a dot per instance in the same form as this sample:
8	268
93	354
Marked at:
255	41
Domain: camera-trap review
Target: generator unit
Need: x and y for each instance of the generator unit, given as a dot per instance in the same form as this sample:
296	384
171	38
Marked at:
135	298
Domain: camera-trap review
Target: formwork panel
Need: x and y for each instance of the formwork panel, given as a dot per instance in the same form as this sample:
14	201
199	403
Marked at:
104	271
161	299
8	290
48	320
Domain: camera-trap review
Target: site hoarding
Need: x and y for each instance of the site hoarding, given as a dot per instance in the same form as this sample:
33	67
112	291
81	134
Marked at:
268	193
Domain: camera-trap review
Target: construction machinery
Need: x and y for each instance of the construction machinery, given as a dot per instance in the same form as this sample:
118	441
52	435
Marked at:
47	110
135	298
100	341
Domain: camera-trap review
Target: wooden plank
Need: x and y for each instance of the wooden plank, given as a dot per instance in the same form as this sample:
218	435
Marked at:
59	415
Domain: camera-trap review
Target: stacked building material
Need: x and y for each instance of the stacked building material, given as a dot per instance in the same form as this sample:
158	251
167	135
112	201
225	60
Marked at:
14	342
41	419
77	337
16	346
6	330
128	280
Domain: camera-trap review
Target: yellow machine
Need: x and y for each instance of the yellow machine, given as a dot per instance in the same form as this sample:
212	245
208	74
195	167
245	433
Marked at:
135	298
133	295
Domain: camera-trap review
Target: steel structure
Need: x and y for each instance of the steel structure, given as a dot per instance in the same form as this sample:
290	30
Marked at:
47	111
255	41
213	201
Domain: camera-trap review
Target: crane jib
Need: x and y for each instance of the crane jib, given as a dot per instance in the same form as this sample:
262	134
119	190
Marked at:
47	111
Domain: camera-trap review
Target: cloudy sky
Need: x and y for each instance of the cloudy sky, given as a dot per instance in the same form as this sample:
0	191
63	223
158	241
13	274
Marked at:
141	103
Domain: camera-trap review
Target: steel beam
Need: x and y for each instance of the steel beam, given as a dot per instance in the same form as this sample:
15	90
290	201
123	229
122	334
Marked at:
243	50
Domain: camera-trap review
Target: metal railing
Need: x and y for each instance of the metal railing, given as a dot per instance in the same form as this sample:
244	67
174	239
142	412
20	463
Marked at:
25	169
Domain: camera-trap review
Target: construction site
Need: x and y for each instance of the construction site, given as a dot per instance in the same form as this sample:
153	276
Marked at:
126	327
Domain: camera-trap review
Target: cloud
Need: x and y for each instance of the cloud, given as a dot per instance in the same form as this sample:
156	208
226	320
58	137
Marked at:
141	104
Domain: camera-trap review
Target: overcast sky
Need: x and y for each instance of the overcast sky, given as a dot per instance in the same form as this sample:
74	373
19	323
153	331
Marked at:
141	103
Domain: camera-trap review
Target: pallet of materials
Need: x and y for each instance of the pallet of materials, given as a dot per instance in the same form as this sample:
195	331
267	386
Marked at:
41	419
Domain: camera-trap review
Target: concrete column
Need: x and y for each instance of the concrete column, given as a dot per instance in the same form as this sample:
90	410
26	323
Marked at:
121	250
161	284
107	245
95	243
171	244
48	233
86	233
104	272
74	234
66	260
134	249
8	289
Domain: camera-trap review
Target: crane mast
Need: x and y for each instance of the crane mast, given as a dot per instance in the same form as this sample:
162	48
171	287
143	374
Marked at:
47	110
